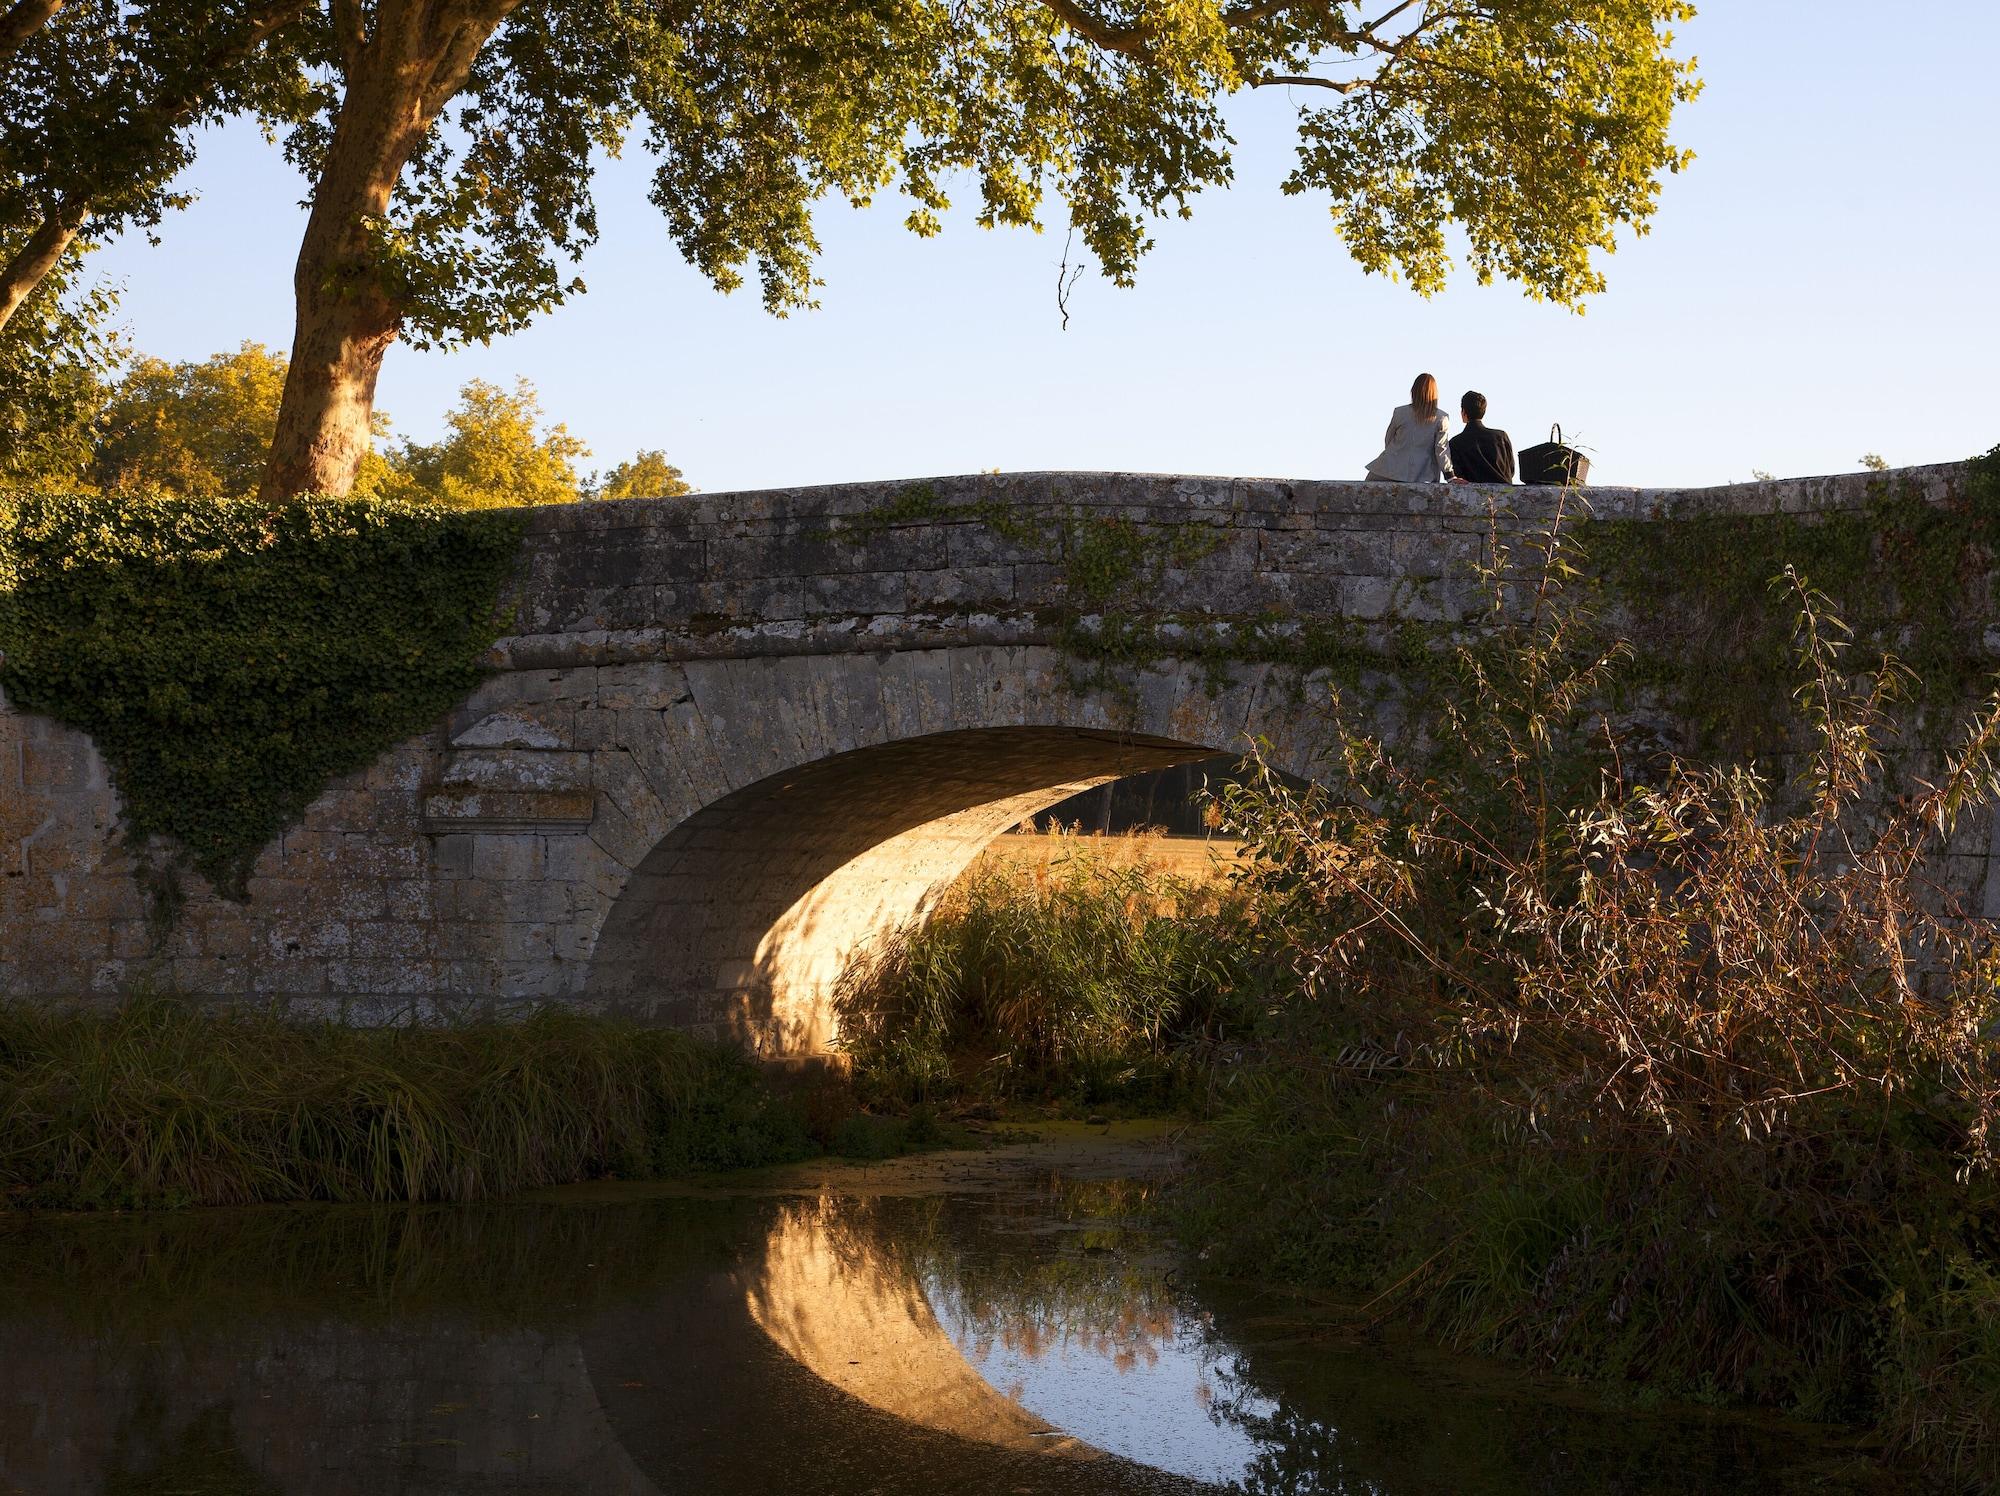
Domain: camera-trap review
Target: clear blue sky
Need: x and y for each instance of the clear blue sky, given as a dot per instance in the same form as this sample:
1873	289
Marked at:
1820	284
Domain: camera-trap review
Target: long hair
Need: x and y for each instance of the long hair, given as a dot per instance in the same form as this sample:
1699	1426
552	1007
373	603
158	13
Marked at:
1424	397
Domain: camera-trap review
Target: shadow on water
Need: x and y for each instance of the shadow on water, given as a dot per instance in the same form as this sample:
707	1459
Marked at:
1033	1340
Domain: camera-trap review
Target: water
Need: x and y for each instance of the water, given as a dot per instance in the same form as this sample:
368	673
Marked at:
944	1328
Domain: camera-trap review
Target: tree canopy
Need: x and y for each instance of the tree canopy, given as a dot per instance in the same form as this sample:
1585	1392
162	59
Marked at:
54	359
99	102
197	429
201	428
647	476
448	143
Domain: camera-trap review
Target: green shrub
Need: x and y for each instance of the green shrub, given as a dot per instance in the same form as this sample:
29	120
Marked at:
1628	1066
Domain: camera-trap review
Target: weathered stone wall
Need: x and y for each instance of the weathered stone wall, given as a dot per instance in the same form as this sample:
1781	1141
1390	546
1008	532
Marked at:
735	737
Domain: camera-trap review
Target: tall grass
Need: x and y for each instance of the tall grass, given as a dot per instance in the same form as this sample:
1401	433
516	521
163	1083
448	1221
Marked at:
1084	976
1632	1066
161	1103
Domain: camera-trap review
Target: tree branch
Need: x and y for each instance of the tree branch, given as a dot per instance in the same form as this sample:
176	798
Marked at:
35	259
1097	31
453	65
350	34
1308	80
271	20
22	20
1130	41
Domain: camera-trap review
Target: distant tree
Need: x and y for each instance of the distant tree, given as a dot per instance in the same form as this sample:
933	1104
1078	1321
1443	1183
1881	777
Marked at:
199	429
647	476
449	144
54	363
1874	462
498	453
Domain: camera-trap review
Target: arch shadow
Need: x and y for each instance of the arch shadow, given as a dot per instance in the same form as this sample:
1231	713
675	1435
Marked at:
739	922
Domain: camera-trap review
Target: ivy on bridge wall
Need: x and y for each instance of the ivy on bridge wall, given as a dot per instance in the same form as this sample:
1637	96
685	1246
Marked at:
1912	579
229	657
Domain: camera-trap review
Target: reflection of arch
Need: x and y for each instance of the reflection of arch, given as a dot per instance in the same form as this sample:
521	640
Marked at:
820	1329
741	918
841	1307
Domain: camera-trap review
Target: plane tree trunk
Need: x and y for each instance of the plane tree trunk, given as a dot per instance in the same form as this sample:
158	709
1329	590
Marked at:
400	74
22	20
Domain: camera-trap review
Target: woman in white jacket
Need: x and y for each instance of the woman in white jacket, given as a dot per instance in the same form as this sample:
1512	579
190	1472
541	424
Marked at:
1415	449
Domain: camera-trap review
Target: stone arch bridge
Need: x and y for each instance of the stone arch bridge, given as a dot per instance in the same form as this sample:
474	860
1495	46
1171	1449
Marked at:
735	738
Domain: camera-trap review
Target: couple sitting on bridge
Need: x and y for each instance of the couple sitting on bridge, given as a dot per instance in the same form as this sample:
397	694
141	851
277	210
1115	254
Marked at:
1416	450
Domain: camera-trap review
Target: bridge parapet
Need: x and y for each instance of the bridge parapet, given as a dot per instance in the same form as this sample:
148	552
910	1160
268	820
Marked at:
993	558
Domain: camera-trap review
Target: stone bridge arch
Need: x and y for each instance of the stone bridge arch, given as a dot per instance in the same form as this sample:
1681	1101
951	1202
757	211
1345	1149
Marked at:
736	915
732	738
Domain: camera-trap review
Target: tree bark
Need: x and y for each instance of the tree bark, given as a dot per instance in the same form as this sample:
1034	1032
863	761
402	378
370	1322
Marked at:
33	262
399	77
22	20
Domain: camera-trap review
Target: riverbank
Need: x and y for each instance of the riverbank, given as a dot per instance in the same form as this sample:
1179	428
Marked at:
164	1104
1639	1063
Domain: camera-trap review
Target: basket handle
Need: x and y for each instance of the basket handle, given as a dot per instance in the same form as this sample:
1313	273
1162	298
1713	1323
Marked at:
1556	434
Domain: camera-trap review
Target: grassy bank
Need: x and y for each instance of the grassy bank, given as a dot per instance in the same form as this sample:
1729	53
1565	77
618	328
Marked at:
161	1104
1632	1067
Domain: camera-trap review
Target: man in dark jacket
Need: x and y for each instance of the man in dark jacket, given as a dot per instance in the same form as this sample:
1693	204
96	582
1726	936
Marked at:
1480	454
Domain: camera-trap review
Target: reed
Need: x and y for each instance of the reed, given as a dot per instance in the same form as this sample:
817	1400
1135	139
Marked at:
161	1103
1082	975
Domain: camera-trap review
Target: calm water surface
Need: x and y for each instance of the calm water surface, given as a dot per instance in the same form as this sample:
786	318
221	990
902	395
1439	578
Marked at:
1026	1336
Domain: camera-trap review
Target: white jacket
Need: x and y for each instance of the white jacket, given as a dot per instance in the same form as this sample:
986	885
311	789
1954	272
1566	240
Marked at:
1414	451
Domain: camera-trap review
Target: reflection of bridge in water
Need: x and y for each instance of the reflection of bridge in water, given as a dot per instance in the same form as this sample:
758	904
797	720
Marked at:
805	1358
748	1346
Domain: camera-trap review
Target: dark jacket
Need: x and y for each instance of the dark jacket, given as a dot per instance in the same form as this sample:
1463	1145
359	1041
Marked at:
1482	455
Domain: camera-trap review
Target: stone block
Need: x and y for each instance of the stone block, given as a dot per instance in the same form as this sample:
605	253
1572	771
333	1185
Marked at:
856	592
55	764
379	977
499	857
209	976
390	940
517	769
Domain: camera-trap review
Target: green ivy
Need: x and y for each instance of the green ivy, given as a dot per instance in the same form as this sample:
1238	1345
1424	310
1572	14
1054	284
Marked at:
1909	577
231	657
